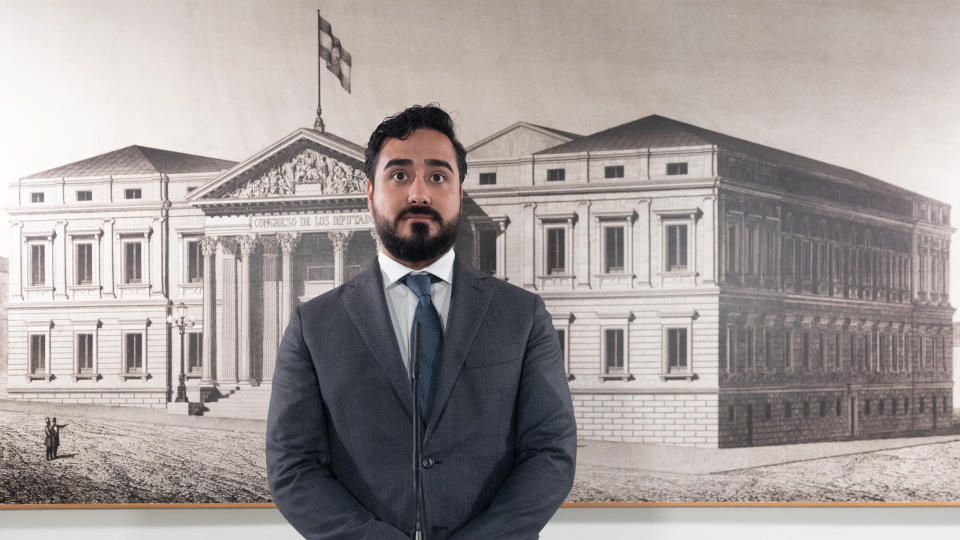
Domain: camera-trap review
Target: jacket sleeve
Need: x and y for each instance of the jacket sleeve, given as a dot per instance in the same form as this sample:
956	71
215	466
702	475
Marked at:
546	444
298	456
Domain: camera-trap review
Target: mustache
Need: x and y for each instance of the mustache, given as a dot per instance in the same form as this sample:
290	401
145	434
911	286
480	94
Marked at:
424	210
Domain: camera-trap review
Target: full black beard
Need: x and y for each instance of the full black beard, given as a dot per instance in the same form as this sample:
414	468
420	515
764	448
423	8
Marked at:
419	247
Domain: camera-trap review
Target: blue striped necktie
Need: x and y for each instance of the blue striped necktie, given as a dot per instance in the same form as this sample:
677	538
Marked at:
431	338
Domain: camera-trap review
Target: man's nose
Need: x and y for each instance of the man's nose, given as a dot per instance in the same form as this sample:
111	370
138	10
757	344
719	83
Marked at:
418	192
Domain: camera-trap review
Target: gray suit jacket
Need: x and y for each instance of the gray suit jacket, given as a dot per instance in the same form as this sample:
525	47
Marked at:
499	446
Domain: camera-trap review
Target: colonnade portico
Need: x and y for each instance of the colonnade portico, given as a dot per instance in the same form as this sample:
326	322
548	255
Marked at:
263	274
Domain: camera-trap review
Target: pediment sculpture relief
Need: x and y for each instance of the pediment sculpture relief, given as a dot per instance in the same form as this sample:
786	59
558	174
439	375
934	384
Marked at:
307	167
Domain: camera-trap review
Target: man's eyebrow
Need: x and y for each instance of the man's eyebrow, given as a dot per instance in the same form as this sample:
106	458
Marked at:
400	162
438	163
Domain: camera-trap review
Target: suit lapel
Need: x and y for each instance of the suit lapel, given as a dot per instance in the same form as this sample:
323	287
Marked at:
366	304
469	301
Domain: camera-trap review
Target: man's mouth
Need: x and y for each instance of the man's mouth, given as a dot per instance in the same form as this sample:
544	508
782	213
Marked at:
418	217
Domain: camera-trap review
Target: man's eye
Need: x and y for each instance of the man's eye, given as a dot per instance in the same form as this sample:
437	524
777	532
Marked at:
399	176
437	178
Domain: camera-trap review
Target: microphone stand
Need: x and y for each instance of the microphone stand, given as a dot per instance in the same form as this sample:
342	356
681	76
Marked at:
417	441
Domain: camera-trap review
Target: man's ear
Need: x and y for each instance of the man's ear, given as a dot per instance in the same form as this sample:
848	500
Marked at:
369	196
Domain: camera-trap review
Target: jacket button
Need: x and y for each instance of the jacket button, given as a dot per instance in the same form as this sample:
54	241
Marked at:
427	463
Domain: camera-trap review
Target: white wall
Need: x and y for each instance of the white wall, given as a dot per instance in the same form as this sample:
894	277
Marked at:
877	523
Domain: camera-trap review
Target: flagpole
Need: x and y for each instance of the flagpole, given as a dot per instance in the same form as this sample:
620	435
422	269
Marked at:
318	123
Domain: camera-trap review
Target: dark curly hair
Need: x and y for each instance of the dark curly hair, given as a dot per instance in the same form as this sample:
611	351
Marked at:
401	125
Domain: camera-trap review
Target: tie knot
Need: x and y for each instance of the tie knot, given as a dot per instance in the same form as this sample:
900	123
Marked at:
419	283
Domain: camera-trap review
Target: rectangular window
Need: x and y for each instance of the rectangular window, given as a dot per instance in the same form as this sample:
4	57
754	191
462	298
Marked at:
821	351
133	352
677	349
676	247
788	349
84	261
556	175
866	407
806	409
613	171
194	262
751	247
487	250
132	262
36	197
770	252
806	350
732	253
767	348
133	193
676	168
823	408
556	251
613	353
787	409
488	178
613	250
836	352
866	352
85	195
194	352
750	347
38	265
853	352
84	353
38	354
731	348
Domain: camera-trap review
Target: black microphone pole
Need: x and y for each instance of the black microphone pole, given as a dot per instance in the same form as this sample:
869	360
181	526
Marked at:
417	442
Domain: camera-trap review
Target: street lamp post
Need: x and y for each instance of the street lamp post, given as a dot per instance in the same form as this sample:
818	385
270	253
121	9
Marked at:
182	321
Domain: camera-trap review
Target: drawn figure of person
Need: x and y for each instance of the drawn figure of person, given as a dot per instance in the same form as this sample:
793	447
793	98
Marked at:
55	428
48	439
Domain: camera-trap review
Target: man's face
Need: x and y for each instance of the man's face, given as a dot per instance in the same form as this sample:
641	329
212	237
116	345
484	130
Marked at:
416	195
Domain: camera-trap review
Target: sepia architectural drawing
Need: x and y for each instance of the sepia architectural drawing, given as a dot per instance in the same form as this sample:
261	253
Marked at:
707	291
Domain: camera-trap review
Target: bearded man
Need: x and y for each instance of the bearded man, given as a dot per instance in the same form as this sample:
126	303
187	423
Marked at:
497	427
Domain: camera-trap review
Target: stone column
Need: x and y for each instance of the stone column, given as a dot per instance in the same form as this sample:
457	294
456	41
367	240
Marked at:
271	307
154	266
579	257
58	262
227	352
16	262
288	242
339	239
706	264
248	243
529	244
642	263
208	246
107	263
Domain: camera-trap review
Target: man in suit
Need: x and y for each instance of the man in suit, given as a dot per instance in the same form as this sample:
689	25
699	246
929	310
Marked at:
498	431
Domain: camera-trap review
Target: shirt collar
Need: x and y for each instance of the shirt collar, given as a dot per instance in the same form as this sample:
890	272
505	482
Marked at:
393	270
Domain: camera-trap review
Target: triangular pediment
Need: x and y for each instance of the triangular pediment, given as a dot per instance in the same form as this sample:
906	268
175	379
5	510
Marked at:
520	139
303	165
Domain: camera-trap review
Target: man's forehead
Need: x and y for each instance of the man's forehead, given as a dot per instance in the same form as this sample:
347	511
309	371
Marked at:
437	143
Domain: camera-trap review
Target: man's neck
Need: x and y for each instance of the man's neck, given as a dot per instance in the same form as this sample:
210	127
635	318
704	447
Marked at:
415	265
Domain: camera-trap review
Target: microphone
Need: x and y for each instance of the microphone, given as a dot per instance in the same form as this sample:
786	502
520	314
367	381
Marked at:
418	533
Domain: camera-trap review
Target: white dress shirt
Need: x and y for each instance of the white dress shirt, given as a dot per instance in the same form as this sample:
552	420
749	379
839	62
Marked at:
402	303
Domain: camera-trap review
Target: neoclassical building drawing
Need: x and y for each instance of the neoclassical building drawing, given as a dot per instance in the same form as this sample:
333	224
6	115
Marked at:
706	290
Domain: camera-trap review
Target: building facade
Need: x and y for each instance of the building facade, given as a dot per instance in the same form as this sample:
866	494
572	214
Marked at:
707	291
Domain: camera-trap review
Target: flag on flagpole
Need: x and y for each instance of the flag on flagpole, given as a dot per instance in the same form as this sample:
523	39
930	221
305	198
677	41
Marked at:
339	61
